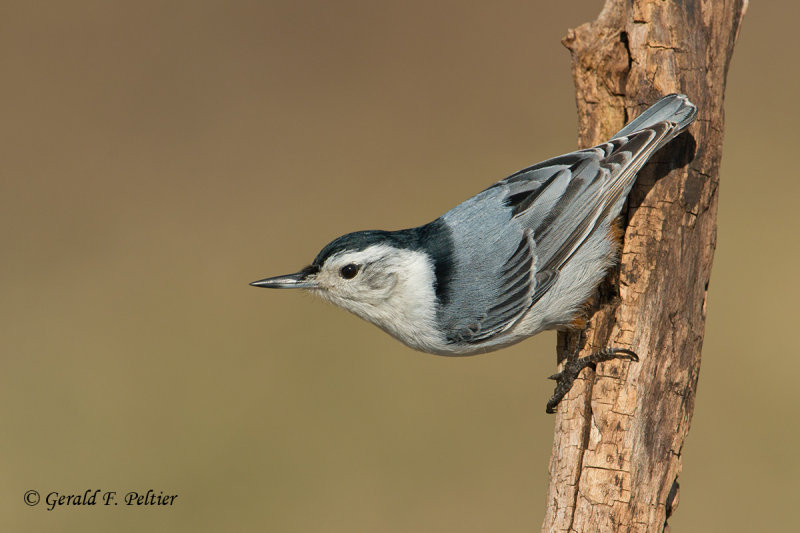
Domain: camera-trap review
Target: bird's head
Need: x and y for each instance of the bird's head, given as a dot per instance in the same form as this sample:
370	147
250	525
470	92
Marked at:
380	276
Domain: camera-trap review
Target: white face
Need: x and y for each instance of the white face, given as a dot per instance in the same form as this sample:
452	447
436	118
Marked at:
367	276
390	287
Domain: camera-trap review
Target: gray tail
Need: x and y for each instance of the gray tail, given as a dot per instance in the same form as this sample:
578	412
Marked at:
675	108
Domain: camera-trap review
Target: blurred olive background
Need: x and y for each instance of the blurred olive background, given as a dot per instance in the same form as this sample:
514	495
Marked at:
158	156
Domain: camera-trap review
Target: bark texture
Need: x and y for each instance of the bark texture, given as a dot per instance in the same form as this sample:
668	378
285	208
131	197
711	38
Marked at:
619	432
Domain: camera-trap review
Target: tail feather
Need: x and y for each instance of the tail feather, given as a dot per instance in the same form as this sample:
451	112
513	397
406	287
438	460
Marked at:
675	108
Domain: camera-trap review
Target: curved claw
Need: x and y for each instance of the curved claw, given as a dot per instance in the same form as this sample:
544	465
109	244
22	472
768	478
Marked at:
626	354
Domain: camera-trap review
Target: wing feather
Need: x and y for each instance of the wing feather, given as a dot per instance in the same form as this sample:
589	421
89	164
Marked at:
597	181
554	207
517	287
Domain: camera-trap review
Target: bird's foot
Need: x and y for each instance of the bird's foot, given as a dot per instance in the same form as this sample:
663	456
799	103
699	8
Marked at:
573	366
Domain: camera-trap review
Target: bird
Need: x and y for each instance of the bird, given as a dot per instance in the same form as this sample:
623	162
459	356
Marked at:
523	256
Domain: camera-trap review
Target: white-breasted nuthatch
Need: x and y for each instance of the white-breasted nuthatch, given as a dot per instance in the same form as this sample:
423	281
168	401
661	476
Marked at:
523	256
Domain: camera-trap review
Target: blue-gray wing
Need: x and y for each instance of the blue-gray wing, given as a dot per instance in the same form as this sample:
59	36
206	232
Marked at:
517	286
563	200
514	238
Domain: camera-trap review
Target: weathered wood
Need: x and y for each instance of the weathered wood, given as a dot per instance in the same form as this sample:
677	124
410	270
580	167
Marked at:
619	432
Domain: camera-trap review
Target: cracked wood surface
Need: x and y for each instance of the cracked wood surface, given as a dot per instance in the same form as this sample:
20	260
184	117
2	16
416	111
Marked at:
620	431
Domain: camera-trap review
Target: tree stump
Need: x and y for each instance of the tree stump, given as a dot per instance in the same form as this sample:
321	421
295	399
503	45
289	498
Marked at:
620	431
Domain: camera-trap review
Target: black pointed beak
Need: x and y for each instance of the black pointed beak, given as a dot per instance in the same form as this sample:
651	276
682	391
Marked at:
299	280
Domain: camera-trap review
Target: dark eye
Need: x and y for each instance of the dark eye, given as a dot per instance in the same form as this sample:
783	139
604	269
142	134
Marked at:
349	271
